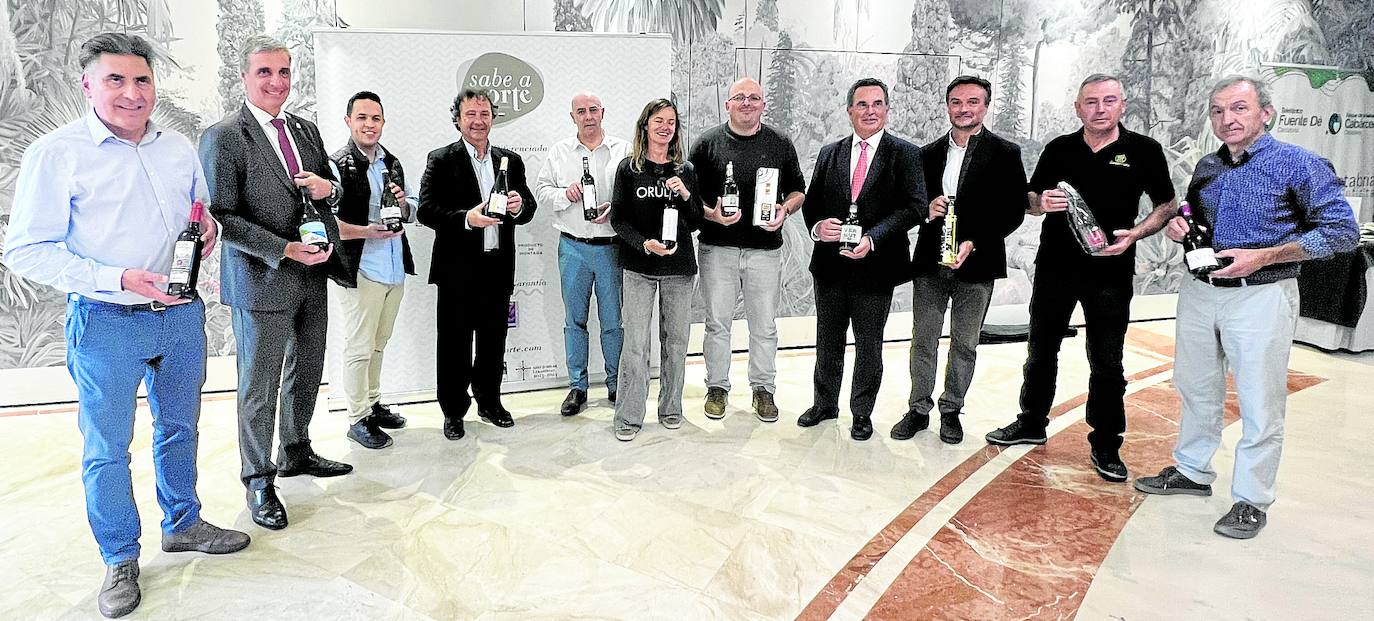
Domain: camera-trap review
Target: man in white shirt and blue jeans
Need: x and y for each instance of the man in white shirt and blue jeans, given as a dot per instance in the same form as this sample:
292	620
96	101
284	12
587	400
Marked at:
97	210
588	259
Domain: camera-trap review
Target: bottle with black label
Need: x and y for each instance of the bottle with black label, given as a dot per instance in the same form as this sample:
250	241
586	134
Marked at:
729	196
312	228
1197	243
186	257
851	232
590	207
391	208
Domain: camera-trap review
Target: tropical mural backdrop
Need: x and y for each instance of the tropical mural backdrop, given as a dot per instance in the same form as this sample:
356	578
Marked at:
806	52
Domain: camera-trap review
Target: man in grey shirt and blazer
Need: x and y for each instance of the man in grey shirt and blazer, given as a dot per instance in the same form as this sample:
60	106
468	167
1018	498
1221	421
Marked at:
259	161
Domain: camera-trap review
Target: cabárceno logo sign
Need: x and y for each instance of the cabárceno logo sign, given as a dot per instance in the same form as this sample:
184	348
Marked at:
516	87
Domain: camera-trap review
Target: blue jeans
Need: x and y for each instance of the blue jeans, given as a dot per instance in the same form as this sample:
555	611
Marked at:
583	268
110	349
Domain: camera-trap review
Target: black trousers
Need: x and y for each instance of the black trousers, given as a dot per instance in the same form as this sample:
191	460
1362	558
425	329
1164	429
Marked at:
465	316
839	306
1106	312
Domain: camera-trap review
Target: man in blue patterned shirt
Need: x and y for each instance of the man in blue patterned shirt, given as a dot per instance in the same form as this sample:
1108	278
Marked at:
1272	206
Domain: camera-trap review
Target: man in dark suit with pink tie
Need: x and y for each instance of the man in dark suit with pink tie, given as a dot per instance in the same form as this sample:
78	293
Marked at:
881	175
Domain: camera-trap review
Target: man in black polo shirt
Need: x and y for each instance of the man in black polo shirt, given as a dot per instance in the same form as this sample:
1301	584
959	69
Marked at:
738	256
1111	167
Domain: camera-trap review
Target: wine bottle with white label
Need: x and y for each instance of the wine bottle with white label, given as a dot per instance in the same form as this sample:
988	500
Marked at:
851	232
1197	243
186	257
311	227
391	208
668	234
496	205
729	196
591	209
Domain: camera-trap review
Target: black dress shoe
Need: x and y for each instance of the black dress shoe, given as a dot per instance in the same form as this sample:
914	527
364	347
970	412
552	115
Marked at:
815	414
453	428
577	398
383	417
951	430
312	464
266	508
496	415
913	422
862	429
367	433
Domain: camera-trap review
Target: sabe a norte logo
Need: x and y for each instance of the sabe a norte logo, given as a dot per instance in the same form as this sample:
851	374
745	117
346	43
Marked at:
515	86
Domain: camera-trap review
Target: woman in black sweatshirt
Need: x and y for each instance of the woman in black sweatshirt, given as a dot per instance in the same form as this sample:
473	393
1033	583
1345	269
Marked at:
655	183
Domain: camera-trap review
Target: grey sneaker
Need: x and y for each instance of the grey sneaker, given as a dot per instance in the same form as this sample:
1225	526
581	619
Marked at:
1171	481
119	595
1243	521
764	408
715	403
625	434
205	537
671	421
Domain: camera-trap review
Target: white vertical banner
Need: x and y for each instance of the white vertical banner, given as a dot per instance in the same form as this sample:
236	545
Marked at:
1331	112
533	77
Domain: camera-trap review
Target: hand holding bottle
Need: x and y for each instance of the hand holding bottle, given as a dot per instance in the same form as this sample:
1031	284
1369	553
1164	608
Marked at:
828	230
937	207
779	217
656	247
1124	239
147	284
1176	229
603	213
1053	200
675	184
210	236
307	254
319	187
860	251
478	218
574	193
718	215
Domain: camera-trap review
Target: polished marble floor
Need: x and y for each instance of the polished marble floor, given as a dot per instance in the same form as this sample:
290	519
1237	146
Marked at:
735	519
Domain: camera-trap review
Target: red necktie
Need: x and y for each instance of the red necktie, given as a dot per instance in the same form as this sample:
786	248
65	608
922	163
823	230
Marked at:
860	173
292	166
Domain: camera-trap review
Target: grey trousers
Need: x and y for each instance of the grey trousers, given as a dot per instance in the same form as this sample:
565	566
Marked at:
280	356
675	318
725	271
931	295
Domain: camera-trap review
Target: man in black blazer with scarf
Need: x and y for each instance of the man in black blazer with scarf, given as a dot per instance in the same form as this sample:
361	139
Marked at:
983	173
882	175
258	161
475	280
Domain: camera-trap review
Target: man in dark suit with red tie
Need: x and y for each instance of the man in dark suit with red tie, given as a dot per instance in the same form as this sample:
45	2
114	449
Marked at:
880	174
473	261
258	162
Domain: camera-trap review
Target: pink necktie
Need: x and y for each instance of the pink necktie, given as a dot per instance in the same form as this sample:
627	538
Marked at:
860	173
292	166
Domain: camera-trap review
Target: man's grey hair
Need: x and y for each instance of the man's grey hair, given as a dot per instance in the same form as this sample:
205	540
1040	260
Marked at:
1098	77
258	44
1261	89
119	43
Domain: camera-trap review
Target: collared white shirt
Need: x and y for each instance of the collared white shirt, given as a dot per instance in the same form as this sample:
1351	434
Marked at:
268	129
89	205
563	167
872	149
954	162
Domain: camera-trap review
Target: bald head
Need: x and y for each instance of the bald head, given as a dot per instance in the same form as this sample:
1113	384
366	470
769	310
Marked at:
586	115
745	104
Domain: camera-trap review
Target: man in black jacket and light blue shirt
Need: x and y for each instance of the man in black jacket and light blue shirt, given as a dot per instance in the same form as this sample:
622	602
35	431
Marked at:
981	172
881	174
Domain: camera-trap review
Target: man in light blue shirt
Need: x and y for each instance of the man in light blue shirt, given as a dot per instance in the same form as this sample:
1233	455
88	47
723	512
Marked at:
97	210
1271	205
376	261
